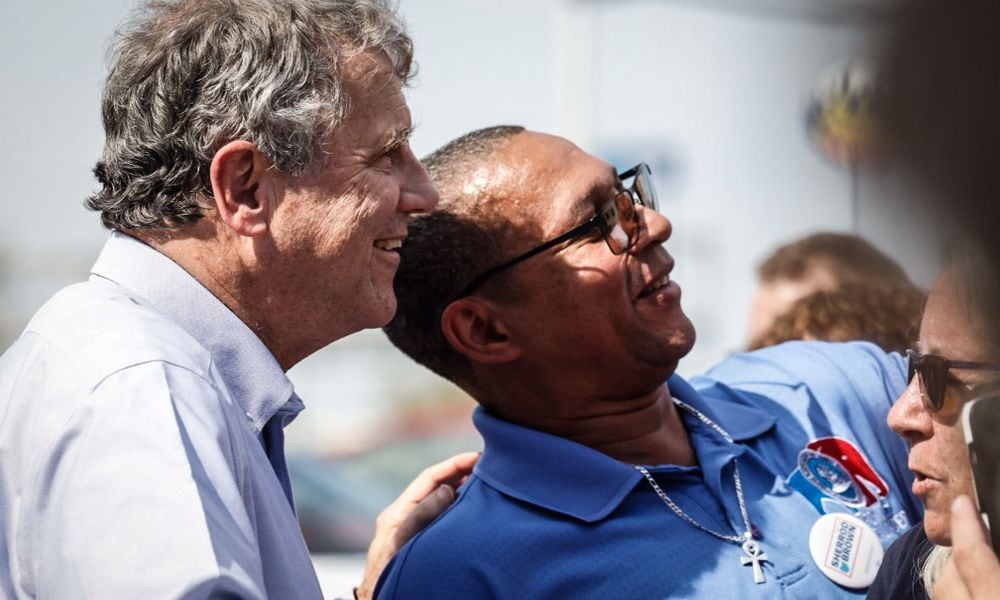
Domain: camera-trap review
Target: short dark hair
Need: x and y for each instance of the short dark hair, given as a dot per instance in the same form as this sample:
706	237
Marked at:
188	76
446	249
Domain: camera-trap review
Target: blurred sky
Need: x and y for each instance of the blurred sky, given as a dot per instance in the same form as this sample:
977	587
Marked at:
713	94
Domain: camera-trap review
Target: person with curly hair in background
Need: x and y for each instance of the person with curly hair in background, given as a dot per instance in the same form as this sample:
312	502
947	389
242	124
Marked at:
851	312
834	287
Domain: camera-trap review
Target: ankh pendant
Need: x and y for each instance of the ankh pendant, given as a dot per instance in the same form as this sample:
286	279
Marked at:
753	557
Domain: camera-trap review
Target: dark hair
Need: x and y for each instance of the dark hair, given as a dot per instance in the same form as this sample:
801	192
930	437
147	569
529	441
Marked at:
849	259
887	318
448	248
192	75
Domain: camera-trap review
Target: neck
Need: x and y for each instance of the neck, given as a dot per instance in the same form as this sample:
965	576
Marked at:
642	430
216	263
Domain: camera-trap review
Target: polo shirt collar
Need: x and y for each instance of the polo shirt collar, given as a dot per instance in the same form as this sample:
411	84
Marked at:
255	379
566	477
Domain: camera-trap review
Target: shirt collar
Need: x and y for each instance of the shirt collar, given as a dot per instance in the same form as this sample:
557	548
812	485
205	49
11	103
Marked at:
566	477
255	379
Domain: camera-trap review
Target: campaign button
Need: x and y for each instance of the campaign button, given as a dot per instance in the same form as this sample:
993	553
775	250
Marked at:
846	550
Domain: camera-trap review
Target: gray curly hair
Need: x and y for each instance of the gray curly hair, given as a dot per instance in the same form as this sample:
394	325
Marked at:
189	76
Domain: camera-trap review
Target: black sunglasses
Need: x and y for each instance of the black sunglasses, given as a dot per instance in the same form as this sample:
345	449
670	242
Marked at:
933	371
617	220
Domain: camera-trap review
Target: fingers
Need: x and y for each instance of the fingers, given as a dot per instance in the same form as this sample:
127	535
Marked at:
425	498
973	572
973	558
423	513
949	585
966	526
420	503
452	472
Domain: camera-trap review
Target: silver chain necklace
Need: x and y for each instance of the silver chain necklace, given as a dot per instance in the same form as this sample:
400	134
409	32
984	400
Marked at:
750	547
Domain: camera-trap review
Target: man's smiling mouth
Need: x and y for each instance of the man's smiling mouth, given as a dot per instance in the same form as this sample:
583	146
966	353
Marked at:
660	282
389	244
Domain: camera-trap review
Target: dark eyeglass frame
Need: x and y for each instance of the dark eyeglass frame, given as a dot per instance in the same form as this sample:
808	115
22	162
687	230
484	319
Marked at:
933	371
641	192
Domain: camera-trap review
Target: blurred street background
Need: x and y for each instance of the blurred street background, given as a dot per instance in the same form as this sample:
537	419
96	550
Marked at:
750	112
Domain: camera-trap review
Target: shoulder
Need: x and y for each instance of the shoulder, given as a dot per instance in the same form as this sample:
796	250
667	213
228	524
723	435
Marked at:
96	368
815	390
830	403
460	555
912	546
814	363
152	411
899	576
94	329
812	375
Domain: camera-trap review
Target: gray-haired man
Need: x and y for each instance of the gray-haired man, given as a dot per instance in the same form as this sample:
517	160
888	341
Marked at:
257	180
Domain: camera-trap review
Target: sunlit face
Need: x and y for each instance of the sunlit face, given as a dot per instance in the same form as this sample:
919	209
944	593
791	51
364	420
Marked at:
579	309
938	457
337	229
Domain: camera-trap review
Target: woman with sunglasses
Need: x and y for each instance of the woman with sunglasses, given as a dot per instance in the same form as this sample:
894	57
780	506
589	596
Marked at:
956	355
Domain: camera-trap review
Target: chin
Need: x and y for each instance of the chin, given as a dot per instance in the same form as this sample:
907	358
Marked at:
937	527
382	309
682	341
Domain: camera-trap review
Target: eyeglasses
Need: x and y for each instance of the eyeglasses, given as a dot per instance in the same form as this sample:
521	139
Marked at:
933	371
617	220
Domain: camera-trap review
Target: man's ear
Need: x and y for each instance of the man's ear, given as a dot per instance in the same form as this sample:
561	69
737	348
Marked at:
241	177
472	327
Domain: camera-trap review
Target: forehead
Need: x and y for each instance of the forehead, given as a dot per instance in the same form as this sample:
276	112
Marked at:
553	181
947	327
377	112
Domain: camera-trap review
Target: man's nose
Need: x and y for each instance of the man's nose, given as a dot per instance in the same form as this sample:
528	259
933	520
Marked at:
654	227
417	192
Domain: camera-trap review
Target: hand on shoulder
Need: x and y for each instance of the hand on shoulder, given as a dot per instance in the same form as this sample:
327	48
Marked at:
420	503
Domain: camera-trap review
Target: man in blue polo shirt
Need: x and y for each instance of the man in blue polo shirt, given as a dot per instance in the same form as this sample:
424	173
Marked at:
542	288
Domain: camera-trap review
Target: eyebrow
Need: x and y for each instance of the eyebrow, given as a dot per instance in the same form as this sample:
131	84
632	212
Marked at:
595	197
397	137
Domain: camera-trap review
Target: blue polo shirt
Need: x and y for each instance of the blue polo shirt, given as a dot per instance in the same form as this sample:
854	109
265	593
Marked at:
544	517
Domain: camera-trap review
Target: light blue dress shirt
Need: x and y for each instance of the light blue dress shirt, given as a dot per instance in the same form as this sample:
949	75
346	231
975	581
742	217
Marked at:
131	463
